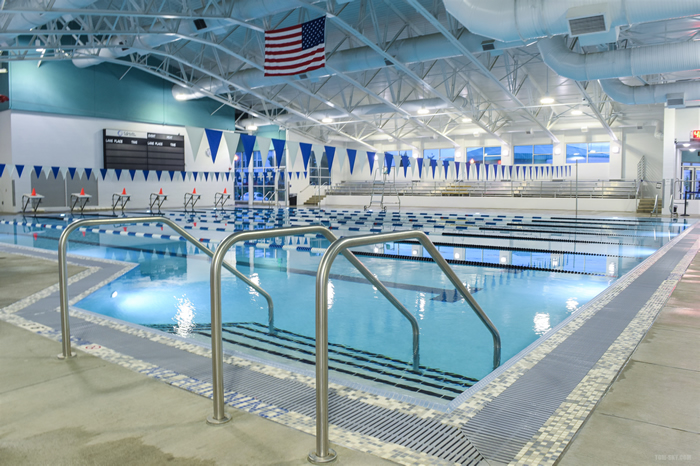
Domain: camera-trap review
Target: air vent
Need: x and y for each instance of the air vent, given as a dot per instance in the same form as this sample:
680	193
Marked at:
200	24
588	25
675	100
488	45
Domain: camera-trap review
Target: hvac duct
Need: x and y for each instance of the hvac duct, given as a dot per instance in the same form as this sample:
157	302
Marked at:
638	61
28	21
509	20
675	94
417	49
412	106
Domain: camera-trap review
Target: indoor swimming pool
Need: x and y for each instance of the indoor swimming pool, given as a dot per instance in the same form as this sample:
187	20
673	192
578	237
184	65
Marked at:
527	273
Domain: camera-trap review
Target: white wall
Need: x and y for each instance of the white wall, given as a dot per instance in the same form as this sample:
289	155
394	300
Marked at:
66	141
6	158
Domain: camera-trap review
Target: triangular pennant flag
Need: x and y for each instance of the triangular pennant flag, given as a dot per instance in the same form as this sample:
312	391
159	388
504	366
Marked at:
476	165
388	162
457	167
71	171
291	174
37	170
195	136
2	168
352	153
370	159
446	166
510	171
172	174
216	174
292	151
330	155
420	167
55	171
184	175
405	163
19	169
88	172
195	175
214	140
132	173
103	172
145	174
318	152
298	175
305	153
227	175
231	139
158	174
278	145
248	141
206	176
118	172
433	165
264	148
306	174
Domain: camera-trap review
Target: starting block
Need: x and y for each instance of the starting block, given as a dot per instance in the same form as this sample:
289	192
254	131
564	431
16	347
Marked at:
119	200
191	199
157	200
31	199
78	201
220	199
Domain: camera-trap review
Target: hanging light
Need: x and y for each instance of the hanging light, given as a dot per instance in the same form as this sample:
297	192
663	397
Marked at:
546	100
327	120
576	112
466	120
423	111
251	128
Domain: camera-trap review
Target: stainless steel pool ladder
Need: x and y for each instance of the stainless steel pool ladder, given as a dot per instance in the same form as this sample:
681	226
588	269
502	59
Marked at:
324	453
217	355
63	267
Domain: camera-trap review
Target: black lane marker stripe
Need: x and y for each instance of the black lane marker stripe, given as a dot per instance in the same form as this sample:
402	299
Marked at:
526	238
512	248
516	230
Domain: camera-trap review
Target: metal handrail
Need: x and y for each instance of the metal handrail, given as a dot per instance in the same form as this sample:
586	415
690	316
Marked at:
63	267
217	355
323	452
656	202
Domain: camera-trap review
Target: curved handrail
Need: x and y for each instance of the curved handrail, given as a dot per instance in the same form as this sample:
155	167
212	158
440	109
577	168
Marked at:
63	267
323	452
217	354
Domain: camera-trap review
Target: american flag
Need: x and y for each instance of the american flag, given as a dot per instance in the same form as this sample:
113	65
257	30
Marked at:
296	49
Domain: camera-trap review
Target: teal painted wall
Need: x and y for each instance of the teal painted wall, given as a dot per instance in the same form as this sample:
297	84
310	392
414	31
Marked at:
62	88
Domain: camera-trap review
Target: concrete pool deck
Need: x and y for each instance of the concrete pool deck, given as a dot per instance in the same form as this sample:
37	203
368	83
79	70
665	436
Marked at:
587	447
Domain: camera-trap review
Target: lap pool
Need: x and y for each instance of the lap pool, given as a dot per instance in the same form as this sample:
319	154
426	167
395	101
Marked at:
528	273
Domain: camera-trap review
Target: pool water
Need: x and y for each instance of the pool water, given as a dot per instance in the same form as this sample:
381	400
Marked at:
526	277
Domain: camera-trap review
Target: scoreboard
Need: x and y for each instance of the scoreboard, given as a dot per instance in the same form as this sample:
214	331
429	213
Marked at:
134	150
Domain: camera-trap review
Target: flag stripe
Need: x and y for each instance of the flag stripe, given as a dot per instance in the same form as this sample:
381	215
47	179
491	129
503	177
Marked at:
292	73
291	66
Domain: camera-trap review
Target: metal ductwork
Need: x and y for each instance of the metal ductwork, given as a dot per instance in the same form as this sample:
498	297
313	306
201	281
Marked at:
655	59
30	20
417	49
675	95
412	106
510	20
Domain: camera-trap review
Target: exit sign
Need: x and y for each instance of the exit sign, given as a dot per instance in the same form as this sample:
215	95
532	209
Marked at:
695	134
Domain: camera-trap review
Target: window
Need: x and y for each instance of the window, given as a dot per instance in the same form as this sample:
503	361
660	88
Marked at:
319	174
595	152
492	154
431	154
447	154
538	153
476	154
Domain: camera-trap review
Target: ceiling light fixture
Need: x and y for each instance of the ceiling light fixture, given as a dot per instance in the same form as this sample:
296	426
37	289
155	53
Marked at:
423	111
181	97
251	128
576	112
687	144
466	120
3	70
327	120
546	100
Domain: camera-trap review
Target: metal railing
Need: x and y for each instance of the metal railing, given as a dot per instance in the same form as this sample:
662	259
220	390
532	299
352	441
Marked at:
323	453
220	416
63	267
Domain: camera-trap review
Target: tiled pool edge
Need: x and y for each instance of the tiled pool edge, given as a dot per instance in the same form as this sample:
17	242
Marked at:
390	450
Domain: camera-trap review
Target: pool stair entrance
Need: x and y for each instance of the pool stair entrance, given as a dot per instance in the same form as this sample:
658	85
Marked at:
343	359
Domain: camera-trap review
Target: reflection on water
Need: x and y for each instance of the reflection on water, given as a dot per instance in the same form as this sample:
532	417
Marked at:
331	293
184	316
571	305
542	325
255	278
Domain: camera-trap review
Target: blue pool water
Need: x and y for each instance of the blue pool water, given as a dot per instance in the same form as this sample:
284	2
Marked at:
527	281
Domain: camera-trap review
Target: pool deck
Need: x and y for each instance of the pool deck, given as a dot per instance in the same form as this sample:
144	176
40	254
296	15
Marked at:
647	413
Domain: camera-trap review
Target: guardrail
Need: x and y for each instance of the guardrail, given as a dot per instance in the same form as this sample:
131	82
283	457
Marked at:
324	453
220	416
63	268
